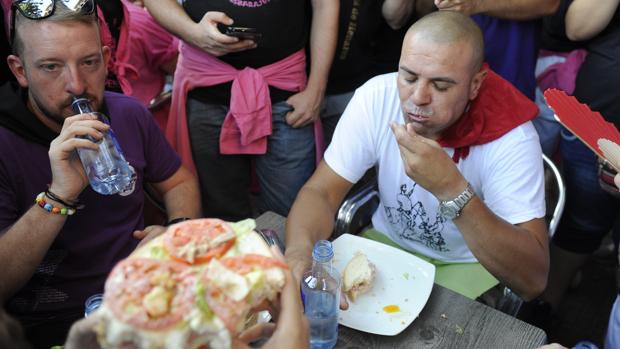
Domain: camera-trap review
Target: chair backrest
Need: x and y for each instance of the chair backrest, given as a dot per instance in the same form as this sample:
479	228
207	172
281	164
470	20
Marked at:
356	211
555	195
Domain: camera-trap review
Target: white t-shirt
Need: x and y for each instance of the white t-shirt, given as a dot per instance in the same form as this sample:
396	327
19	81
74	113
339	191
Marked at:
507	174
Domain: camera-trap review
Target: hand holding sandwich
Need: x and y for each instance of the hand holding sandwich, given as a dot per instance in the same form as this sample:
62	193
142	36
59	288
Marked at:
291	329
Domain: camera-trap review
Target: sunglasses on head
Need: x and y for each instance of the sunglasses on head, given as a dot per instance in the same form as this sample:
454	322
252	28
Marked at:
39	9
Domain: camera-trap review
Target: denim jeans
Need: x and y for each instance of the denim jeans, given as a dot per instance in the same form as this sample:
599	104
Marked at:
331	111
225	179
590	212
547	127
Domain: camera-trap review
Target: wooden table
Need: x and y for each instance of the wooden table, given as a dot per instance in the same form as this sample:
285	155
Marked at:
448	320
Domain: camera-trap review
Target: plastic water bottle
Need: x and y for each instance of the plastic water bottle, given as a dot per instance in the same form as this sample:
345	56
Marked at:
92	303
320	292
107	170
585	345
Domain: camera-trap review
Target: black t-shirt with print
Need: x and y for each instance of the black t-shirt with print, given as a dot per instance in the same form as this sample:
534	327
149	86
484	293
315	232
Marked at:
284	27
359	24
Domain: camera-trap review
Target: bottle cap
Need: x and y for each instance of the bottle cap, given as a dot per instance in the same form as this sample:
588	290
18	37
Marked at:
81	105
92	303
323	251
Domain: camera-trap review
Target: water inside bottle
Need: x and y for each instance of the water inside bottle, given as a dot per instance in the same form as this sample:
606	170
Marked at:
106	168
321	310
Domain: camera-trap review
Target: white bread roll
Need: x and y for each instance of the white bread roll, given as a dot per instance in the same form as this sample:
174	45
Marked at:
358	276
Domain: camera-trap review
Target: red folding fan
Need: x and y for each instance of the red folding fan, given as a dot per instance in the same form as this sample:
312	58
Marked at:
600	136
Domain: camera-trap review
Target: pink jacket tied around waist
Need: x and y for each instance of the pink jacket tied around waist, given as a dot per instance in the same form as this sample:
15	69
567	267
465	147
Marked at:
248	122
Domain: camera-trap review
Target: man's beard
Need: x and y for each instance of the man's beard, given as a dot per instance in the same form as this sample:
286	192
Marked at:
58	117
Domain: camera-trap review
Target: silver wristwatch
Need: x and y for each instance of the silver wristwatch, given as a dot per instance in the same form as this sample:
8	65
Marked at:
451	209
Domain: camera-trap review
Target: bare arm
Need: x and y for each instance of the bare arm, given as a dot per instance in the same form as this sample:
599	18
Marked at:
182	200
312	216
586	19
171	15
517	255
323	36
23	246
181	194
397	12
204	34
504	9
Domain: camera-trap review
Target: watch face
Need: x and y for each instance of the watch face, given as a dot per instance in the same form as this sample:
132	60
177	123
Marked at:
448	210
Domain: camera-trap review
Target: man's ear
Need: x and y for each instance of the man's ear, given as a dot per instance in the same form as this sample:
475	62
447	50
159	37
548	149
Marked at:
17	67
476	83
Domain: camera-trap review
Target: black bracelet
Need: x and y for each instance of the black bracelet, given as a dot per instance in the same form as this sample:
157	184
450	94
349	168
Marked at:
177	220
76	205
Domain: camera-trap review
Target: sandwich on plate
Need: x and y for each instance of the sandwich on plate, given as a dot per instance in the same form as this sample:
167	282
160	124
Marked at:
358	276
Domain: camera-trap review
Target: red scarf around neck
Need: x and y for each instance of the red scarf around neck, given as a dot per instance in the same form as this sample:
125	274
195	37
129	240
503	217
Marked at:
499	108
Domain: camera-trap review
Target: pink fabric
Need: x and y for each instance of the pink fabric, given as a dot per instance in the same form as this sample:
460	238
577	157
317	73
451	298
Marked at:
142	48
6	9
562	75
248	122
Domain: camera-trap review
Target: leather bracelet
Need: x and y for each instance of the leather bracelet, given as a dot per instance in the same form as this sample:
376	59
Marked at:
75	205
177	220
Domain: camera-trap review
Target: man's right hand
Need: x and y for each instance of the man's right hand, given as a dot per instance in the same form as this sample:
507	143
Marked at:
299	261
68	176
207	36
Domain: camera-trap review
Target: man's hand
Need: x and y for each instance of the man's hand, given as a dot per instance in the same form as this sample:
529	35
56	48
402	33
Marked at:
468	7
82	333
299	261
207	37
292	329
306	108
68	176
148	234
552	346
428	164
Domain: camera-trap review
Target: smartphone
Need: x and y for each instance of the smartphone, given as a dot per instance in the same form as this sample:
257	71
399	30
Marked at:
243	33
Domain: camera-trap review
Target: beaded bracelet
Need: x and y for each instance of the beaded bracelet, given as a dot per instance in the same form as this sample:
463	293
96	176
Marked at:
40	200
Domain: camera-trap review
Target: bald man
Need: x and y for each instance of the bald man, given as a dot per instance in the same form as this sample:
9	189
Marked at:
459	166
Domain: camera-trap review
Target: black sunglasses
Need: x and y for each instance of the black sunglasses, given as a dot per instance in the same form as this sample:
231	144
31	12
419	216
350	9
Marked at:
39	9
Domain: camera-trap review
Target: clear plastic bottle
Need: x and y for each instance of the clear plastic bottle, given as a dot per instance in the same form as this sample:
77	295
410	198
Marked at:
107	170
92	303
320	292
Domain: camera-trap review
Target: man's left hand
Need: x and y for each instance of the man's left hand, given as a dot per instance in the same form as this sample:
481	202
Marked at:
83	334
468	7
428	164
149	233
306	108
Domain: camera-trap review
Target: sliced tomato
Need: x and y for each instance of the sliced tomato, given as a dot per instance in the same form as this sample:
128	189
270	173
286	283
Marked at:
150	294
249	262
231	312
198	241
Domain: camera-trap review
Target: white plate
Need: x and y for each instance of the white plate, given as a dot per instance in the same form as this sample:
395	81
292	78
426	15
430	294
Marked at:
402	279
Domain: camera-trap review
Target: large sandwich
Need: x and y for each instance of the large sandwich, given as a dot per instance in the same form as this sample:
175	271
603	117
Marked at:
192	287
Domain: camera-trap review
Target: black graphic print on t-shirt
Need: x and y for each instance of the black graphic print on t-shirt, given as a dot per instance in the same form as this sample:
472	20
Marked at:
411	222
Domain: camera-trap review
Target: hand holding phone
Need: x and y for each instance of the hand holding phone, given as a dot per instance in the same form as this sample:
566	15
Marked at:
243	33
